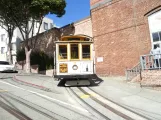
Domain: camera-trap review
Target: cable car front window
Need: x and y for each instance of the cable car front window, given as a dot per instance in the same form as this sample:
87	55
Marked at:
62	51
86	51
74	51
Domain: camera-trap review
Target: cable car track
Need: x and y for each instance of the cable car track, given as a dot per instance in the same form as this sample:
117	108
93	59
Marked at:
32	108
14	112
119	104
95	110
25	104
101	100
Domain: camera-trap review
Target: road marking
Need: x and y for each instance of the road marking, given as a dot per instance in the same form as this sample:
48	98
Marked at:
84	96
49	98
3	90
87	96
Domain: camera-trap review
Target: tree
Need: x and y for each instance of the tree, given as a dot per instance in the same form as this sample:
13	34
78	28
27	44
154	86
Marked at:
24	12
7	23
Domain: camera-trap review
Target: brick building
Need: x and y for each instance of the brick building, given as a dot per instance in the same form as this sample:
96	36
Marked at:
123	30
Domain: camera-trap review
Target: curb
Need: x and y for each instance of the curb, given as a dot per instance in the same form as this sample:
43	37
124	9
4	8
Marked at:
31	84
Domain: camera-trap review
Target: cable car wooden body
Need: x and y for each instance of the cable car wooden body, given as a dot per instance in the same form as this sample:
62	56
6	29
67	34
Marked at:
75	57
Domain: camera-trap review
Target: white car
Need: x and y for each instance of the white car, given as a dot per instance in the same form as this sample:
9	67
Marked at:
6	67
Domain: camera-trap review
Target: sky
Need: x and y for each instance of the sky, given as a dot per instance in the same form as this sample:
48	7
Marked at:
75	10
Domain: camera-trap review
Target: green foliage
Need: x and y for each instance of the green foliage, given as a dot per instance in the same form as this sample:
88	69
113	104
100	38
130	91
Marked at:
21	55
37	58
43	60
45	6
19	12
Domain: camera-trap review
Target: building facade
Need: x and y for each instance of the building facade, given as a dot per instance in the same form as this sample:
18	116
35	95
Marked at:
46	40
122	31
17	38
83	26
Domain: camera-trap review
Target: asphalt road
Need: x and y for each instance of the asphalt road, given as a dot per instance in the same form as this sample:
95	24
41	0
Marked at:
25	103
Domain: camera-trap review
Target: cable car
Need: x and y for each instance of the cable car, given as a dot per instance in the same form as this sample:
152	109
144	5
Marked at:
75	58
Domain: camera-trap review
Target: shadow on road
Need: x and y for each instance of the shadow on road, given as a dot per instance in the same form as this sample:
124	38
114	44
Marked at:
7	75
9	72
75	82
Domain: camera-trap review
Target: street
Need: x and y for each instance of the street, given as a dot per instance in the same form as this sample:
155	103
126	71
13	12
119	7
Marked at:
38	97
80	60
25	103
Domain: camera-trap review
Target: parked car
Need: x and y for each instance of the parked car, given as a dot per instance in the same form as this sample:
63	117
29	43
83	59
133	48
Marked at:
6	67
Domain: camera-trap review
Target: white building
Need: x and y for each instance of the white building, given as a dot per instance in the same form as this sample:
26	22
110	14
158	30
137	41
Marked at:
17	38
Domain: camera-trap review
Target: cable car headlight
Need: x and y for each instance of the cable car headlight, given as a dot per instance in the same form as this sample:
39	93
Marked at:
75	67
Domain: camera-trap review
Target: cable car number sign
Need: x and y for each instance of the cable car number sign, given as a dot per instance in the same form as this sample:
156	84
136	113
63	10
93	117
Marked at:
63	68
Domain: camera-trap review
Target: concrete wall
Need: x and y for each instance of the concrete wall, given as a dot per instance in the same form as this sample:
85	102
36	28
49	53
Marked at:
84	27
45	41
121	33
21	65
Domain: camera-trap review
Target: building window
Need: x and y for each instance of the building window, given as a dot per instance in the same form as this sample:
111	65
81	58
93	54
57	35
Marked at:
156	45
37	24
2	50
155	28
62	51
86	51
156	39
13	47
51	25
45	26
160	35
74	51
2	37
156	36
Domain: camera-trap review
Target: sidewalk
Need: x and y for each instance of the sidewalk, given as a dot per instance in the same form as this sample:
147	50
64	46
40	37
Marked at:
36	80
130	95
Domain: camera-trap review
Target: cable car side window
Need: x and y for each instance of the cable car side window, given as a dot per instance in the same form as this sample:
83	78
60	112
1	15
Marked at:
86	52
62	51
74	48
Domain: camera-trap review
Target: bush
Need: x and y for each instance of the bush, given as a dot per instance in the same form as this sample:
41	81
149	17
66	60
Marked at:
43	60
37	58
20	56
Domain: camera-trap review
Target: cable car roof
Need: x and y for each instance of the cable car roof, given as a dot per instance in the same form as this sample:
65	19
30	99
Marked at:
76	38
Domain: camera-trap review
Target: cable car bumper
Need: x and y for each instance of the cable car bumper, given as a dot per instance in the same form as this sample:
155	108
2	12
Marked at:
75	76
